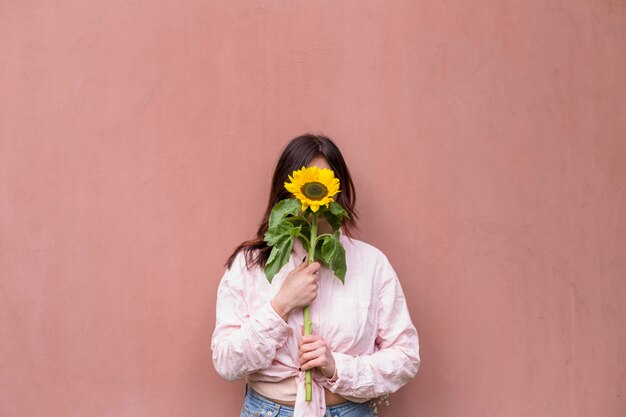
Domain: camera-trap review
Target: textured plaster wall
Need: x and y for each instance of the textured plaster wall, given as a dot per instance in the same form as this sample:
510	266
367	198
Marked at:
487	140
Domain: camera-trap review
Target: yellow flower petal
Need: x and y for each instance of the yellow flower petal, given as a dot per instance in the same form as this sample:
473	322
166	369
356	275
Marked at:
313	186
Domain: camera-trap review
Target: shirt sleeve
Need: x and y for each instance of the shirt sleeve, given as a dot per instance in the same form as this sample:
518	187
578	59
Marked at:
243	343
397	359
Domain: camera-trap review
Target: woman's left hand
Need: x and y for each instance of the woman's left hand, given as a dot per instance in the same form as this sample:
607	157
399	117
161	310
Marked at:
314	353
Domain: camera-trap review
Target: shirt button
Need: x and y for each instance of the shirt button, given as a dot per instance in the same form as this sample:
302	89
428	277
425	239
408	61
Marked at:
269	413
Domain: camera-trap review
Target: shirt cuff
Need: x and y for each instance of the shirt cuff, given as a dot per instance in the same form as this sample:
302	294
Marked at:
272	323
341	372
333	379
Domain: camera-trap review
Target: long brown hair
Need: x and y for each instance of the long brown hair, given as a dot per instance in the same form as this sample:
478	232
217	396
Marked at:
298	153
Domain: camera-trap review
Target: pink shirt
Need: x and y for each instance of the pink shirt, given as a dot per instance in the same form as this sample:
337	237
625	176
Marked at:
365	323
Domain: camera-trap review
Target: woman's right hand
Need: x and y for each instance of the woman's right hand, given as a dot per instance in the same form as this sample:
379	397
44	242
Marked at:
298	289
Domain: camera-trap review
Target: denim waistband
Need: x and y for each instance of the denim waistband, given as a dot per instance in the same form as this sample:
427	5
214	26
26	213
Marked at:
263	401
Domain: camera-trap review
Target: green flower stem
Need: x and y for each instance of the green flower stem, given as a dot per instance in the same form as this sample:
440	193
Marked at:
307	309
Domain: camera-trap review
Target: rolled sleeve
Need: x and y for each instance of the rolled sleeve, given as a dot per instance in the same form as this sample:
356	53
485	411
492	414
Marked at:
394	363
243	342
270	323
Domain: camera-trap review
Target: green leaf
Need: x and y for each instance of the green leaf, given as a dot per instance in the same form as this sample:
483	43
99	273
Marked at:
278	257
276	233
302	222
305	229
335	214
334	255
282	209
280	236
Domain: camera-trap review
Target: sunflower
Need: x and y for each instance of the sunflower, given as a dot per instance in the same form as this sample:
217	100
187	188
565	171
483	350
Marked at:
313	186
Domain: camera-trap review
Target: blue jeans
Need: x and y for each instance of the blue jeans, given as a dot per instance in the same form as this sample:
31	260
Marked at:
255	405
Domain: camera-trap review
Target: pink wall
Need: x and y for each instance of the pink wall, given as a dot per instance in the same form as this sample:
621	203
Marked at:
487	142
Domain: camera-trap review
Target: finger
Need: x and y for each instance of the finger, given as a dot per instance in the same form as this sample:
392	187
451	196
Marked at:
302	266
308	344
314	267
307	356
307	338
303	343
313	363
310	347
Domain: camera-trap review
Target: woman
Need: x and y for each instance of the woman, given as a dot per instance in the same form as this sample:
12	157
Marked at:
363	344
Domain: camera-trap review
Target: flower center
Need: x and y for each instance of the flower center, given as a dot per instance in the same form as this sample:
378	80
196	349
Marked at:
314	190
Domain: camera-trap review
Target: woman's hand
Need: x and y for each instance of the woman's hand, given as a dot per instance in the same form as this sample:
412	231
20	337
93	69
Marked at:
298	290
314	353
